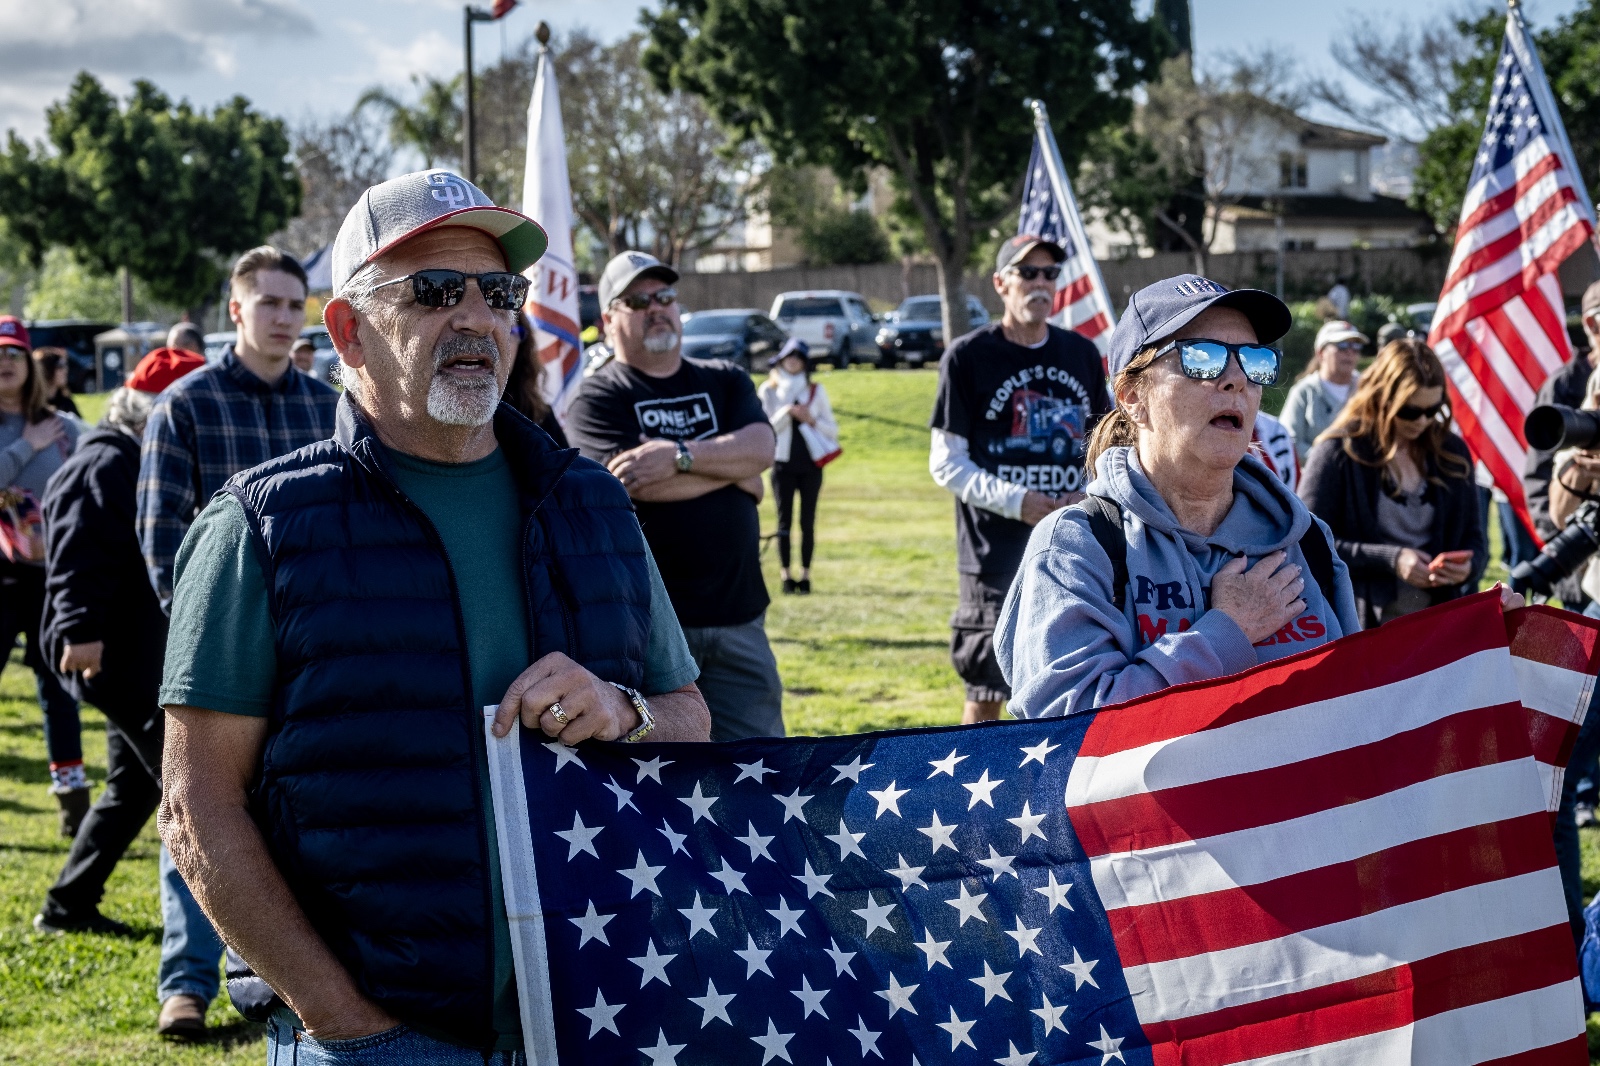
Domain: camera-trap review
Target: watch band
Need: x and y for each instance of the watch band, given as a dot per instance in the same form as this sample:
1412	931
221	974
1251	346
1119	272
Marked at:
647	721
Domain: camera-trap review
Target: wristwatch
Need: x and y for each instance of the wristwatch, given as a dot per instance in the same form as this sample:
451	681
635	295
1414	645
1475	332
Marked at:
647	721
685	458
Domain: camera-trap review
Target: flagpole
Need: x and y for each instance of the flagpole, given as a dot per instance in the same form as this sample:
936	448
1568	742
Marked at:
1071	219
1528	56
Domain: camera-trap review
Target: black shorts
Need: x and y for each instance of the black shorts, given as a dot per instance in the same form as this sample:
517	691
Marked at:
972	639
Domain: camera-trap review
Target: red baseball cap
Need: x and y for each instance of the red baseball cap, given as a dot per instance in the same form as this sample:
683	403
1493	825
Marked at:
162	367
14	333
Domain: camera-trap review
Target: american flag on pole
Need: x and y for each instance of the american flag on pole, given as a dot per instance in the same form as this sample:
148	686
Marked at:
1342	857
1050	211
1500	328
547	196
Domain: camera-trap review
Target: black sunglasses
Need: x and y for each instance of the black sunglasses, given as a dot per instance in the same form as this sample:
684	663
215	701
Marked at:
1411	412
1207	360
502	290
637	302
1028	273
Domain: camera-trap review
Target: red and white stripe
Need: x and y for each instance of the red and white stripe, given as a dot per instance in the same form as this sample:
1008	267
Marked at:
1500	328
1345	857
1080	305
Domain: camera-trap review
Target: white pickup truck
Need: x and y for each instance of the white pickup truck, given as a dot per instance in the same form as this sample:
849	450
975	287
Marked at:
836	325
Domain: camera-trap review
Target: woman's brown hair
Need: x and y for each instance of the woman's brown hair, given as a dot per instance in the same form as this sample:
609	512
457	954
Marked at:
1402	367
1117	429
522	390
35	400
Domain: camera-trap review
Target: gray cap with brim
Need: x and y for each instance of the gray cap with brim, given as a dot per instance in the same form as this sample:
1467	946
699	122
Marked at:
1158	311
625	269
401	208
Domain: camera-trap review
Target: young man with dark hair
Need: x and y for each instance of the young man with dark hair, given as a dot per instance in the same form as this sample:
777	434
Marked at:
244	409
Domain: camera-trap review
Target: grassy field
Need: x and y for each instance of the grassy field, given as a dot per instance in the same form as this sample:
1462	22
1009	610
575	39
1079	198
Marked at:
867	650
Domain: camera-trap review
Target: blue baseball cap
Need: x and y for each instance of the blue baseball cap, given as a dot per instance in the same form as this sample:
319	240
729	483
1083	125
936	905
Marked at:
792	346
1158	311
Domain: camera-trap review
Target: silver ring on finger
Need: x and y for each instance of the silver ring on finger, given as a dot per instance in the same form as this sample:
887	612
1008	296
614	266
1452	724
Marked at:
558	713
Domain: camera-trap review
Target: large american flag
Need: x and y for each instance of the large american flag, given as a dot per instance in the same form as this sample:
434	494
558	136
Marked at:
1050	211
1341	857
1500	328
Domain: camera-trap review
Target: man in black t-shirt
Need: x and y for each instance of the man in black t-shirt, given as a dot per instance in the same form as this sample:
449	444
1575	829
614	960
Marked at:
689	440
1016	401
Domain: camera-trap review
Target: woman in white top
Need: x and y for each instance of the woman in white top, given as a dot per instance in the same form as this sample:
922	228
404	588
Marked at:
1320	394
807	440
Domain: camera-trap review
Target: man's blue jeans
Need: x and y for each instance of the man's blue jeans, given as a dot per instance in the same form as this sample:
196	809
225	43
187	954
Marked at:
191	951
400	1046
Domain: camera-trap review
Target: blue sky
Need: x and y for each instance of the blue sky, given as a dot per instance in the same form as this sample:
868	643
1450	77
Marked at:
303	58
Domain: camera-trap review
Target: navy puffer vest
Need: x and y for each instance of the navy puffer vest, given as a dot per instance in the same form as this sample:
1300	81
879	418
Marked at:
369	795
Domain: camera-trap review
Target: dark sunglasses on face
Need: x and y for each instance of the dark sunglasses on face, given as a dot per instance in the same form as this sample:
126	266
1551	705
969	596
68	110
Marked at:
1028	273
502	290
1207	360
1411	412
1348	346
637	302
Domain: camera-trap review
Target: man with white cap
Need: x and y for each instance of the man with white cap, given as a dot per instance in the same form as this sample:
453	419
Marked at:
689	439
343	616
1325	384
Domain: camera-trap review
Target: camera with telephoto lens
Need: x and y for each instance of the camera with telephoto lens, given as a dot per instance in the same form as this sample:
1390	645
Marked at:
1552	426
1565	553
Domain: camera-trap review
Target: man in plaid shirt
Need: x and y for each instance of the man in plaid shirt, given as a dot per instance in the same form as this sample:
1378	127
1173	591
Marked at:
248	407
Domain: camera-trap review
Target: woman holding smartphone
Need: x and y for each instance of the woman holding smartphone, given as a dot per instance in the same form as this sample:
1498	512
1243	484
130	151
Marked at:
1395	486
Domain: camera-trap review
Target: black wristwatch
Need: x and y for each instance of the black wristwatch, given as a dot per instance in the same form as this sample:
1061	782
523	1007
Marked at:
685	458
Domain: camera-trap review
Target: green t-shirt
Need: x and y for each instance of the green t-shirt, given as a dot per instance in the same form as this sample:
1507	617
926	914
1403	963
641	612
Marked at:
221	651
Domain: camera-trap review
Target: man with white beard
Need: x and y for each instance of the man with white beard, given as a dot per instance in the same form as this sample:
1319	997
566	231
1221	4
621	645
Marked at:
1016	401
689	440
343	616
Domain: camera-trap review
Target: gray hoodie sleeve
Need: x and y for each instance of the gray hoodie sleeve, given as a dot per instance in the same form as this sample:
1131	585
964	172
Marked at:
1297	416
1065	648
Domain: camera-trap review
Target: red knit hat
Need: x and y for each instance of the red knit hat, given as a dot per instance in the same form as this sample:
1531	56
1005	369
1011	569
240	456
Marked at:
162	367
14	333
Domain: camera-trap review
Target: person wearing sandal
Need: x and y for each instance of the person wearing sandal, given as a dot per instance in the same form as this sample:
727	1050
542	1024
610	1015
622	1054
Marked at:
807	440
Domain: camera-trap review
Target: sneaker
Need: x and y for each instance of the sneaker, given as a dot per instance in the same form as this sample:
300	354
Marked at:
74	805
94	923
789	586
183	1017
1584	815
803	586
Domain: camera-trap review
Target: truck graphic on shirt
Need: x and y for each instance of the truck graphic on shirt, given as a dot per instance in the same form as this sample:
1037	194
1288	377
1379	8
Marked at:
1043	425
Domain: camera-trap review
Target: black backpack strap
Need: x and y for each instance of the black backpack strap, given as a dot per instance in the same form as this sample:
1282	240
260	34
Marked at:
1105	522
1319	558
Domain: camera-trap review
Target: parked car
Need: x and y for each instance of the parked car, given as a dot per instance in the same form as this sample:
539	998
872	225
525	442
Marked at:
913	333
836	325
324	357
77	336
739	335
216	342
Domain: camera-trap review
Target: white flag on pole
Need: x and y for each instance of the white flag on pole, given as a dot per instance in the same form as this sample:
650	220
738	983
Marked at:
547	196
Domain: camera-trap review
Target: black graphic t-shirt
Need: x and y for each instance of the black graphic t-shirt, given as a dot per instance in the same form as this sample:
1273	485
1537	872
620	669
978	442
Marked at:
707	548
1026	414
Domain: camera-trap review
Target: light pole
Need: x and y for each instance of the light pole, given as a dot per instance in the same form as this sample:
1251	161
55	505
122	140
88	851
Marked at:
470	14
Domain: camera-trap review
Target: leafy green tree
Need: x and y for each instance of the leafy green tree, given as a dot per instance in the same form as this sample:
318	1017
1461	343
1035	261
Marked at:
831	232
934	90
169	192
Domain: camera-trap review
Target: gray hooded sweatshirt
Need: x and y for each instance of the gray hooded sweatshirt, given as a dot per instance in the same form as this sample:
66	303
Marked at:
1065	648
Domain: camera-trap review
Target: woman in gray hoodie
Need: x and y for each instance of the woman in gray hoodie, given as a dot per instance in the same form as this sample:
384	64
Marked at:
1220	568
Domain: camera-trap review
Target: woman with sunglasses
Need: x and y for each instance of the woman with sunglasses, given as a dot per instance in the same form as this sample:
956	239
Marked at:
1324	387
1189	559
1395	485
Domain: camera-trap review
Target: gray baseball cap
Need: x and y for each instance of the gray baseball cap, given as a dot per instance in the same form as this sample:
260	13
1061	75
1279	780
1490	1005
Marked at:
625	269
414	203
1023	243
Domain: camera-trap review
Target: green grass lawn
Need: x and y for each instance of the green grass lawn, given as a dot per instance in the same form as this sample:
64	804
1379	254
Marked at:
867	650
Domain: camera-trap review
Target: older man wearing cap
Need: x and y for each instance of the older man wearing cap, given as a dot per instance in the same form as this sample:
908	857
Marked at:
689	440
228	416
1016	401
1325	385
343	617
1188	559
